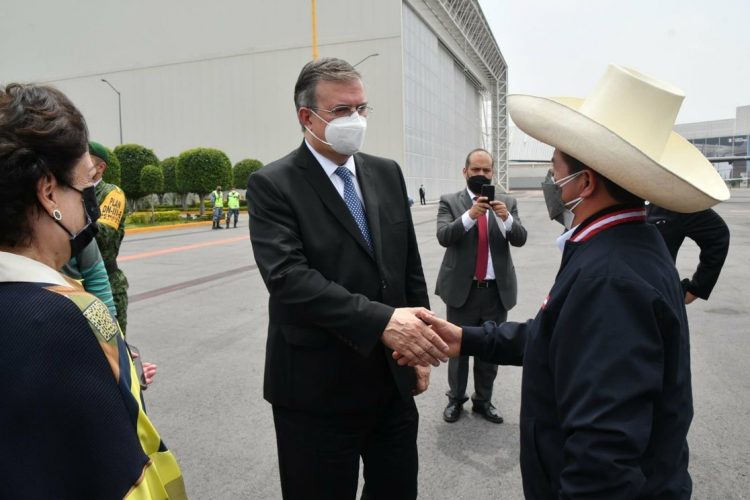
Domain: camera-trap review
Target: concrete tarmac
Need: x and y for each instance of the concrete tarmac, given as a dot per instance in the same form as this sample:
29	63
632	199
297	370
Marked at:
198	310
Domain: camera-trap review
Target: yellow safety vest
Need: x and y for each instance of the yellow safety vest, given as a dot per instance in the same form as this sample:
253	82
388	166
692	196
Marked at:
218	199
233	199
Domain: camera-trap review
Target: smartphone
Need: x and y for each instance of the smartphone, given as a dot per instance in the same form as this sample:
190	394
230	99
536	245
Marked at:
136	357
488	190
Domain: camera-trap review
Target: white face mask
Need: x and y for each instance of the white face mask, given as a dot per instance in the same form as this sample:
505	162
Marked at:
345	135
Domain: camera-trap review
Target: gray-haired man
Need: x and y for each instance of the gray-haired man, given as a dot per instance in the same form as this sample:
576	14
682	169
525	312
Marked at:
334	241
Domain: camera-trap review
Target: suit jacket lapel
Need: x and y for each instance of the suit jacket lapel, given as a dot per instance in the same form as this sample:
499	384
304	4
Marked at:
322	185
465	200
366	179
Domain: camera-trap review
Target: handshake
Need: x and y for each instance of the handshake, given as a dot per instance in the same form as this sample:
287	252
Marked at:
419	338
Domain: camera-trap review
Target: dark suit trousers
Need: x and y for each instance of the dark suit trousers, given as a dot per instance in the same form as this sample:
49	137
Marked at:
319	453
483	304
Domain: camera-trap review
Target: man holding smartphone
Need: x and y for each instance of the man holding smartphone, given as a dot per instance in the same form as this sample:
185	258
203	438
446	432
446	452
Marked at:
477	280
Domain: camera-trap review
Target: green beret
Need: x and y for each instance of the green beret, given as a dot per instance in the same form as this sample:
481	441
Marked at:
97	149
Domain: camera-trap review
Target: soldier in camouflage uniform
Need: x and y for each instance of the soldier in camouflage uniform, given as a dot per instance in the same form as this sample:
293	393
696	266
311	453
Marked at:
111	230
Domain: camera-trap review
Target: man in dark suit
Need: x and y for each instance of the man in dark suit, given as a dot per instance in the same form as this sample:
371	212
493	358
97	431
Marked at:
477	280
708	230
333	238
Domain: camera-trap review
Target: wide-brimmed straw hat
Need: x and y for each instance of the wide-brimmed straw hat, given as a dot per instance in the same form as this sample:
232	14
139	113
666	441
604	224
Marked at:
623	130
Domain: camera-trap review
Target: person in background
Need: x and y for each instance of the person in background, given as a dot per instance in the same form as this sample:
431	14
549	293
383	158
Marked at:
477	279
217	202
233	206
72	421
111	226
708	230
422	195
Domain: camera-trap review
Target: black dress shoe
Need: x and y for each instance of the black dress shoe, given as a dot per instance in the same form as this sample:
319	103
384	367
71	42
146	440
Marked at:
488	411
452	412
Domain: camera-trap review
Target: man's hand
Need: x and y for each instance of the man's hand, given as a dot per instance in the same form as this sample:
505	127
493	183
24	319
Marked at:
689	298
407	334
449	332
500	209
423	379
479	208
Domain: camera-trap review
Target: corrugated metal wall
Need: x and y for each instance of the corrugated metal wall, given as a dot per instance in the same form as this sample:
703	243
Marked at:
441	110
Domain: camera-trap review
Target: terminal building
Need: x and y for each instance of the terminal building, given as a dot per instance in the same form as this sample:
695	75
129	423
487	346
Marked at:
221	74
726	143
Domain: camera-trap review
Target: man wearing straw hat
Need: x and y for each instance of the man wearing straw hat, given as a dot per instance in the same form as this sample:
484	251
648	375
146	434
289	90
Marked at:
606	399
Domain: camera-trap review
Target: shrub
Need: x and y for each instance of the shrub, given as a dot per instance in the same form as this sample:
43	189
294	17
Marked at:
133	158
200	170
148	217
152	180
168	166
112	173
242	171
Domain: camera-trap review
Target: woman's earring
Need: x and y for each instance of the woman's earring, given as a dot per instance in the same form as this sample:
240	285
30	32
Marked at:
57	215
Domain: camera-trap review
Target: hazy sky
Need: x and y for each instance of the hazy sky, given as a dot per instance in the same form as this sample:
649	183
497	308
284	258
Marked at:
562	47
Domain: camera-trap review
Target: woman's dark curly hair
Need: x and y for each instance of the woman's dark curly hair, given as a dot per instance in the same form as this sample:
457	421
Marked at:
41	134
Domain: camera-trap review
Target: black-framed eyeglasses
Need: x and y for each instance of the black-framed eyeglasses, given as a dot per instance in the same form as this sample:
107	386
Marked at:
344	111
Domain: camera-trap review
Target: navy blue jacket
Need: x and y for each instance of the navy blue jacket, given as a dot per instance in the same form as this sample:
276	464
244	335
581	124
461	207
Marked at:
606	395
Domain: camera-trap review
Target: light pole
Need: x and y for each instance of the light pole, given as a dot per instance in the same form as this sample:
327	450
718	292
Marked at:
363	60
119	104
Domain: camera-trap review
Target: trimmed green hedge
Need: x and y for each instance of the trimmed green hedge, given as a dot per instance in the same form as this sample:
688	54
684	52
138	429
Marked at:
148	217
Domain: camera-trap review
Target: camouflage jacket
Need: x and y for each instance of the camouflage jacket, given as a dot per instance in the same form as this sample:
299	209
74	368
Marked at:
111	228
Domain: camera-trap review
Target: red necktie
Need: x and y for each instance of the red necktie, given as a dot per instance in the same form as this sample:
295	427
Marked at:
482	249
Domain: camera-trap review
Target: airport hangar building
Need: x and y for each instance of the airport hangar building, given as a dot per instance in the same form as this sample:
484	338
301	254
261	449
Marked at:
221	74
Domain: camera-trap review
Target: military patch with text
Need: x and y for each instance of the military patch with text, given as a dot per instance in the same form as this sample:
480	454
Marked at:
112	209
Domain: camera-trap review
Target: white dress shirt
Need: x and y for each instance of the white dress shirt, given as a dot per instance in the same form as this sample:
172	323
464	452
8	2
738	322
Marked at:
504	225
330	169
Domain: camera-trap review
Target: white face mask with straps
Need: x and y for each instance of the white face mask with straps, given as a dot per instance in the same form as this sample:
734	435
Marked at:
345	135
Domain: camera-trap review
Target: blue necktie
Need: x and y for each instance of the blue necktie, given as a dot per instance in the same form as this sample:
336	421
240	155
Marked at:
355	205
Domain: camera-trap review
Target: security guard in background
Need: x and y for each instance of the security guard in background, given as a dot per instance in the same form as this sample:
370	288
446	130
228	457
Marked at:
217	201
111	230
233	206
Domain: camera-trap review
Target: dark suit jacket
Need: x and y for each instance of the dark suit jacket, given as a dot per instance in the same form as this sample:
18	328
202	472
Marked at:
330	300
457	270
710	233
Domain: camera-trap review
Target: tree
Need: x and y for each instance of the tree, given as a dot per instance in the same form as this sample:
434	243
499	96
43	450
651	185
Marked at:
168	166
242	171
133	158
152	182
200	170
112	173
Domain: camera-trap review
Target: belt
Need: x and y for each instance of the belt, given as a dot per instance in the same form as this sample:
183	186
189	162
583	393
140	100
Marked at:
483	284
